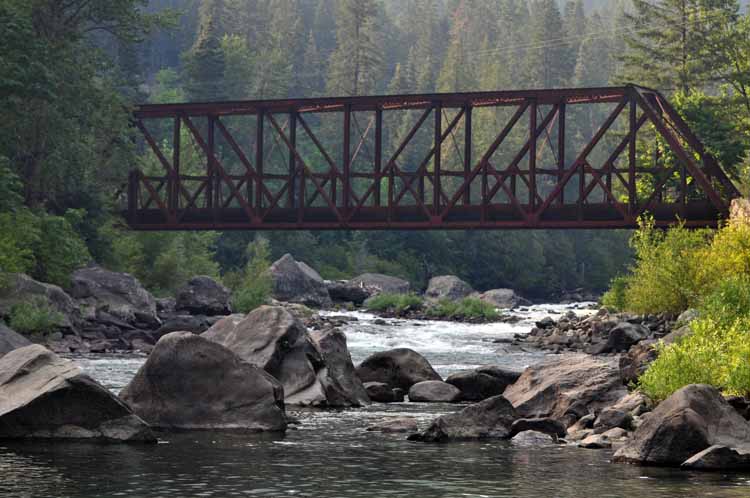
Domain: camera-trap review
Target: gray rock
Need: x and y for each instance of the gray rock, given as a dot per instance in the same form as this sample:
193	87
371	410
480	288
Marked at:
503	298
20	288
10	340
488	419
382	393
400	368
691	420
596	442
340	382
507	375
621	338
382	284
611	418
204	296
569	386
447	287
348	292
182	323
118	294
719	458
275	340
551	427
191	383
637	360
476	385
395	425
434	391
48	397
295	283
532	438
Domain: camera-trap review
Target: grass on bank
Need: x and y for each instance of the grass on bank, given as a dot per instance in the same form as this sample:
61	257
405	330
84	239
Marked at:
469	309
395	303
679	269
35	317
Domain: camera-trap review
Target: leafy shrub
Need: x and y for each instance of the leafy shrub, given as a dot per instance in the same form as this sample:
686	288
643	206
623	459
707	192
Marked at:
61	250
255	287
616	296
35	317
394	303
468	308
716	352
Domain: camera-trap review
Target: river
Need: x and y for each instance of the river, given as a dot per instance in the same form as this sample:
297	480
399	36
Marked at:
329	454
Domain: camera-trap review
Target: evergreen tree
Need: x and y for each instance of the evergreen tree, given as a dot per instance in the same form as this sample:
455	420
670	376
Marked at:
205	63
547	59
356	62
458	73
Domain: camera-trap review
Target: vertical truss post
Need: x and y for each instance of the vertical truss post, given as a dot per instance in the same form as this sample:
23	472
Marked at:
561	149
467	153
259	160
347	157
437	159
293	161
532	155
632	193
378	153
174	191
211	192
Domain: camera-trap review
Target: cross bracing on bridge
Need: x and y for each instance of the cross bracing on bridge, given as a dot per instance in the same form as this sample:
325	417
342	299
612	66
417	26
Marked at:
567	158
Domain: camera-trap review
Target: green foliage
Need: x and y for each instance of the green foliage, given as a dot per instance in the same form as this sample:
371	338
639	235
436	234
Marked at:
36	317
667	273
616	296
255	288
61	249
395	303
467	308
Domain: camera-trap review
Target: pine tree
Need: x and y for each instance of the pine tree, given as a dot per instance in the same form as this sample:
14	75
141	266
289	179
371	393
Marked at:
547	59
667	45
356	62
205	64
575	31
458	72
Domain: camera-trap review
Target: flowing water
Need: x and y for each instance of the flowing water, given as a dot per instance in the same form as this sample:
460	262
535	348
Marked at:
329	454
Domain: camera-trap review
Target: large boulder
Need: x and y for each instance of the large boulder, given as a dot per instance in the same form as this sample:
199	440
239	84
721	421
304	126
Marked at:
621	337
688	422
719	458
191	383
476	385
20	289
275	340
567	387
10	340
382	284
401	368
45	396
383	393
488	419
204	296
447	287
298	283
340	381
503	298
434	391
348	292
104	293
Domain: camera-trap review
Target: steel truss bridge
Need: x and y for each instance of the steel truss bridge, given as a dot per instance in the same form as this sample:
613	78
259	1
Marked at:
568	158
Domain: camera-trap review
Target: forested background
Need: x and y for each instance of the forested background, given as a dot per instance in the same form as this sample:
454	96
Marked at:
70	70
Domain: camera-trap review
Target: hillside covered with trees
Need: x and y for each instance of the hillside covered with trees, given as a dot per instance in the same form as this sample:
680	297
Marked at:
70	71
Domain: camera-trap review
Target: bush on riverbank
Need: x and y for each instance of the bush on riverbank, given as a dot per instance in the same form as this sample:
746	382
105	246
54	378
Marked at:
706	270
35	317
254	288
469	308
394	303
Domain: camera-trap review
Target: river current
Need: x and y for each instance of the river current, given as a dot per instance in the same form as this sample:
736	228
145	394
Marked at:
330	454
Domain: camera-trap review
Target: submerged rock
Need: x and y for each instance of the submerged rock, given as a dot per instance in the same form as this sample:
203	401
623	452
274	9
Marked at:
488	419
447	287
434	391
688	422
204	296
273	339
48	397
549	426
383	393
567	388
10	340
296	282
395	425
339	378
400	368
191	383
719	458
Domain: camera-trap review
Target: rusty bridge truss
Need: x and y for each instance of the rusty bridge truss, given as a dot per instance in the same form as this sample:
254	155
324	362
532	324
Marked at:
575	158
